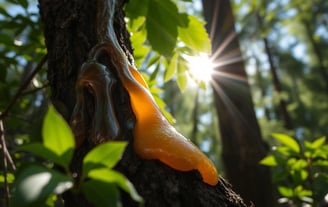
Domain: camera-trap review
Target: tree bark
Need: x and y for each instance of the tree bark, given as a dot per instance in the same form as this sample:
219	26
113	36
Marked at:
71	29
242	145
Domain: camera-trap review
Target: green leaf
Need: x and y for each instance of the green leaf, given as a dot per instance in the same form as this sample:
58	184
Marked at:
111	176
168	116
301	192
24	3
172	68
182	79
304	174
162	107
35	184
195	35
285	191
140	50
287	141
138	38
296	164
316	149
318	142
162	22
321	163
104	155
101	194
269	160
10	178
154	74
4	12
45	153
284	151
153	60
134	25
57	135
136	8
315	145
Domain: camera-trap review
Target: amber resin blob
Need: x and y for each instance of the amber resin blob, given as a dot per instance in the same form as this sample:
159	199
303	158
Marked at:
154	137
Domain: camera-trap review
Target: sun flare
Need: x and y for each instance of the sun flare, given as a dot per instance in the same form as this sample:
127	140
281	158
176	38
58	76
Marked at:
200	67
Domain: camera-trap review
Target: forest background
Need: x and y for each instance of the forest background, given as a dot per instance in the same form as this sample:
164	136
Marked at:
284	48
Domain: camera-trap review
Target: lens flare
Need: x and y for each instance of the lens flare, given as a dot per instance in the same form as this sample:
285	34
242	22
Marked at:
200	67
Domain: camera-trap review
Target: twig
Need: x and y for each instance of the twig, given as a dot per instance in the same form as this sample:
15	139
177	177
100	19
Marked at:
4	162
5	153
9	159
23	86
35	89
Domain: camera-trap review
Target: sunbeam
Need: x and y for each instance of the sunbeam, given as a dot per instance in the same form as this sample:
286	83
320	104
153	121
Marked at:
200	67
231	88
224	58
224	45
227	76
228	102
220	74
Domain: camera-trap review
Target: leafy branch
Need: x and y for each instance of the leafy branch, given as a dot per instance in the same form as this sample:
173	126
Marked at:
22	87
303	165
99	182
6	157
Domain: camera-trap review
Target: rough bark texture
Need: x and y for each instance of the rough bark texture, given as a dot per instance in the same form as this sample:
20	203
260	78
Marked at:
70	32
242	145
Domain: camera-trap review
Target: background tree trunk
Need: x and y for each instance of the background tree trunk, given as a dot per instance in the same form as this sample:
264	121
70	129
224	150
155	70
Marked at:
242	145
283	112
70	29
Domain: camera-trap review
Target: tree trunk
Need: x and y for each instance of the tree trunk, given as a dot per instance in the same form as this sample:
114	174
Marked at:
242	145
261	84
283	112
195	119
317	52
71	29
